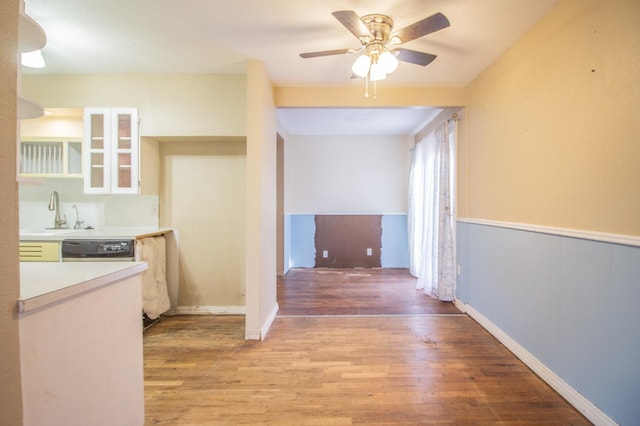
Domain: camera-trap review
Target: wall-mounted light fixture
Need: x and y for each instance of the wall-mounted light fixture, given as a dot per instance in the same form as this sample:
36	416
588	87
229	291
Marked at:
33	59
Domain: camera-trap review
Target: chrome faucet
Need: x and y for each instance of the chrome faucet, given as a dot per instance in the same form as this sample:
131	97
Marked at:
54	204
79	222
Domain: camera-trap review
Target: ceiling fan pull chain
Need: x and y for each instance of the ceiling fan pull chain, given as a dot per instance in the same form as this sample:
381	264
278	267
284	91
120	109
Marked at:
366	86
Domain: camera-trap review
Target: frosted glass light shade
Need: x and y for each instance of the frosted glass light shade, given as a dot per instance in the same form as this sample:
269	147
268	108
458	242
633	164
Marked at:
388	62
361	66
377	72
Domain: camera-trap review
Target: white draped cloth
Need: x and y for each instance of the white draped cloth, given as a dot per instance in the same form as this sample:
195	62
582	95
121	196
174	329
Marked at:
155	294
431	212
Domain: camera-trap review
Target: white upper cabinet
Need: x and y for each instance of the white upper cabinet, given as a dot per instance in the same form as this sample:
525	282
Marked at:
110	151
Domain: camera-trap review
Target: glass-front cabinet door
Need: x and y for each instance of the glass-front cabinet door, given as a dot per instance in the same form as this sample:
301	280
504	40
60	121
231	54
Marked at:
111	151
124	172
96	151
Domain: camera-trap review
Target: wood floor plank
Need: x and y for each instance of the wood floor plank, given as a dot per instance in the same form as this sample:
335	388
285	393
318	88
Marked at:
346	371
343	370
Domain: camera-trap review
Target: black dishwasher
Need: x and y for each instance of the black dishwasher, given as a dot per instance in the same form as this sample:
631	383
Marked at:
98	250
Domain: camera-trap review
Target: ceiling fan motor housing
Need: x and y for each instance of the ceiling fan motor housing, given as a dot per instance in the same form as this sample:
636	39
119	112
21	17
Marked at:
380	27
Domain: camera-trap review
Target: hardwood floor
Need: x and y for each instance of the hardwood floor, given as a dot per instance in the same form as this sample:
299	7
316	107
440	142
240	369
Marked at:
424	367
355	292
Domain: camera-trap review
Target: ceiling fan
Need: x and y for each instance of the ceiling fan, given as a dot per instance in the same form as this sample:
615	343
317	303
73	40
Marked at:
381	44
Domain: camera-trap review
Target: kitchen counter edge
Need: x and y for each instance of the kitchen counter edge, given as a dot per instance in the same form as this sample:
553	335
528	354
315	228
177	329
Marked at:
51	282
95	234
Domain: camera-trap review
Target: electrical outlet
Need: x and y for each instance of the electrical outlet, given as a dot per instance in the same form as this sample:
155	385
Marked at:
369	252
325	253
458	269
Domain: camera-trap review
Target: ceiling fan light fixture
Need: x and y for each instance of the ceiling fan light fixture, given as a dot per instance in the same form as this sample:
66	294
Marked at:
361	65
380	44
388	62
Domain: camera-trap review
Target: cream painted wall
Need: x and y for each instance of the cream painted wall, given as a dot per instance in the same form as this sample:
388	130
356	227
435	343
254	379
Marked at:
261	203
347	174
10	390
280	205
282	188
553	128
63	126
203	196
387	96
170	104
149	166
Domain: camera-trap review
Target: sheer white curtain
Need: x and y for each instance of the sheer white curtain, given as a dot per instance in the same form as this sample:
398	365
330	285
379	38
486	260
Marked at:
431	212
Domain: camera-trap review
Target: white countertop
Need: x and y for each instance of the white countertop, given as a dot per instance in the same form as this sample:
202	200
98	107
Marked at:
85	234
42	283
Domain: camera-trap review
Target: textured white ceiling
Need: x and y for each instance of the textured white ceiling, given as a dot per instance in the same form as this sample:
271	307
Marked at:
218	36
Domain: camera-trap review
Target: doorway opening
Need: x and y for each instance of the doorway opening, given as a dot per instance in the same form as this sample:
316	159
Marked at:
341	168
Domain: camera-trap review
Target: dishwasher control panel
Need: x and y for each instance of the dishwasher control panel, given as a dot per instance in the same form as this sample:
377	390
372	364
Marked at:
97	249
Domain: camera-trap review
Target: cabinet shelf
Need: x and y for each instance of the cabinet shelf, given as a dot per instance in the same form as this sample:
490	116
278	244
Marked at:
50	157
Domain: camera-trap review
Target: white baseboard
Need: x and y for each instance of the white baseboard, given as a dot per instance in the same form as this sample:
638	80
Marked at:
267	324
462	307
209	310
575	398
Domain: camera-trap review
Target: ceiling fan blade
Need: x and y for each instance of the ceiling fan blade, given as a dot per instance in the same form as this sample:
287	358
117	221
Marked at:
414	57
353	23
326	53
421	28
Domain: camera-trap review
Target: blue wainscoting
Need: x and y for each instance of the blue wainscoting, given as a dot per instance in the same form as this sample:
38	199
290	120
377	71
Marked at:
300	235
395	245
300	249
570	302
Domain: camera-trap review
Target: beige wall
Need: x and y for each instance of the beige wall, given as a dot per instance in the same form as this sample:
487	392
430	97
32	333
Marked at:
203	196
280	204
67	123
10	389
170	104
387	96
553	128
347	174
261	202
150	172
